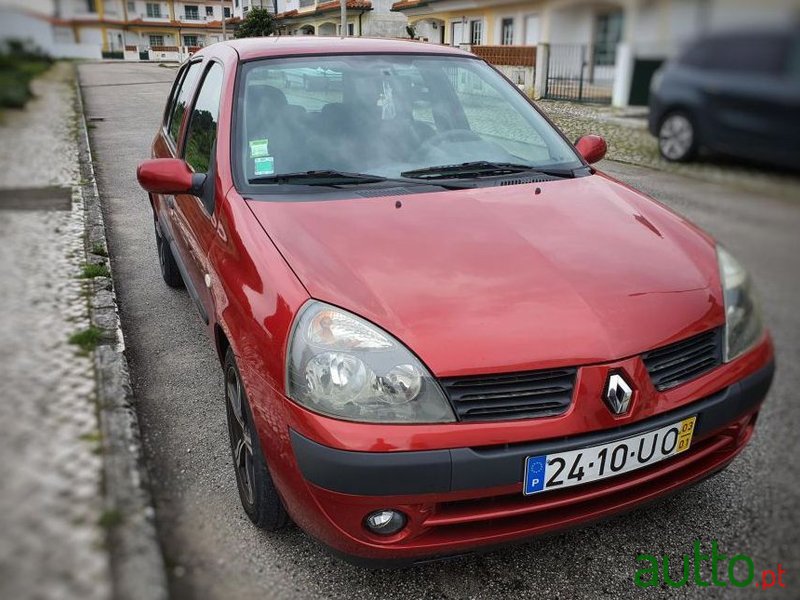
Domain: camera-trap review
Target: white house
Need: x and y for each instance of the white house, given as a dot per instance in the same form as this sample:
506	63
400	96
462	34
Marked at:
596	50
371	18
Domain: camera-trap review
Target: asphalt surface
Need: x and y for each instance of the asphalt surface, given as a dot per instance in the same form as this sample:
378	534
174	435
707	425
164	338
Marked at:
213	551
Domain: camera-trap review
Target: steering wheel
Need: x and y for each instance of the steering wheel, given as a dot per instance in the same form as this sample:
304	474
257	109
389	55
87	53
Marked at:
453	135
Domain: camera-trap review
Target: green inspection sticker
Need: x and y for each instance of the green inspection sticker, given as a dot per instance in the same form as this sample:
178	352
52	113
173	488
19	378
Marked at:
259	148
264	165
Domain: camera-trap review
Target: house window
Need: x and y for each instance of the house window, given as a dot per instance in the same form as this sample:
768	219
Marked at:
154	10
532	30
209	11
156	40
245	9
608	33
90	6
351	29
190	40
507	32
131	7
191	12
236	3
476	32
227	12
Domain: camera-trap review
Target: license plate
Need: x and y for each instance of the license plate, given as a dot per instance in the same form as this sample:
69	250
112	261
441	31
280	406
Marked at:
577	467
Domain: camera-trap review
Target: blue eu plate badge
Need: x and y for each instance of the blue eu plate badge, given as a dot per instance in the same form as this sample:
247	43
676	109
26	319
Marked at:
534	474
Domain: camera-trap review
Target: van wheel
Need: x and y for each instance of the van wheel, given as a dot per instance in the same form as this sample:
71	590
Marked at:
677	138
257	492
166	261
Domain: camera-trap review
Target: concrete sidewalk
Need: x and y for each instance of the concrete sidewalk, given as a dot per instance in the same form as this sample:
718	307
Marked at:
58	514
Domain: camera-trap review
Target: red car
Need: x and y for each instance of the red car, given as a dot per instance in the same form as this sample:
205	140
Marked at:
441	329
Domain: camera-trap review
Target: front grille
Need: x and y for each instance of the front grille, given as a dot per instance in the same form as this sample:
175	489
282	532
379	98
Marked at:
510	396
679	362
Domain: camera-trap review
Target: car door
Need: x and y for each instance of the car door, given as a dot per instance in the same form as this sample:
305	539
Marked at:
193	216
748	99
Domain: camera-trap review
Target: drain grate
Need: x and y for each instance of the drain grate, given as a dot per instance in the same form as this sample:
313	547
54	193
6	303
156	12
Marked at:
41	198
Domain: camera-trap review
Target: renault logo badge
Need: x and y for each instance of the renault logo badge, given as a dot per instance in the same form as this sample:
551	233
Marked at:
618	394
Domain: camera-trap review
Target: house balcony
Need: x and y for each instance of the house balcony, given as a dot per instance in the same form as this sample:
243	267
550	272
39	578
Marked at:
163	18
194	18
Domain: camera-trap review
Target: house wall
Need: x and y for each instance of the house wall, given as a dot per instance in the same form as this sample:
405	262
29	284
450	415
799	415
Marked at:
381	22
15	24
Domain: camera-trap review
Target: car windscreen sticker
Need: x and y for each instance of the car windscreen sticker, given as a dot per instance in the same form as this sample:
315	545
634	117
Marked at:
259	148
264	165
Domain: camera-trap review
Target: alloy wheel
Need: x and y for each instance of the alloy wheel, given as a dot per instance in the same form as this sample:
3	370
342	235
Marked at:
676	137
241	435
162	256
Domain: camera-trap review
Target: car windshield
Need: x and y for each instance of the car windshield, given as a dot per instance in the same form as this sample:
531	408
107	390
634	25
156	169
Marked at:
386	116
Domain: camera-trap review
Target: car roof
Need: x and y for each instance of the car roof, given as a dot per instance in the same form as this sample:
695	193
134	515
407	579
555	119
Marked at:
293	45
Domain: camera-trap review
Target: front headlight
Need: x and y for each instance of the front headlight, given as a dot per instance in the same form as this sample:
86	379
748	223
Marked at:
743	326
345	367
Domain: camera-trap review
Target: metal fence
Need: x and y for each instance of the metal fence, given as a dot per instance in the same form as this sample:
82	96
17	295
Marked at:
580	72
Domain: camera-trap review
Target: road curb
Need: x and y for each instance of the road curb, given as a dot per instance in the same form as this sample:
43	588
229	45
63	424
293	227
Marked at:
137	563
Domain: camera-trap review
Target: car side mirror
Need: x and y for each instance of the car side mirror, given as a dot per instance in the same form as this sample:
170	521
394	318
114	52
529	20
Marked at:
169	176
592	148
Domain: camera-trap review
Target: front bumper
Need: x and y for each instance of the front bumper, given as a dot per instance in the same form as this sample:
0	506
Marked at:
459	469
467	497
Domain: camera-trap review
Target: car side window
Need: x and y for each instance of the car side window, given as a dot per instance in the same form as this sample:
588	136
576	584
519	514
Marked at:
182	97
202	130
763	54
173	93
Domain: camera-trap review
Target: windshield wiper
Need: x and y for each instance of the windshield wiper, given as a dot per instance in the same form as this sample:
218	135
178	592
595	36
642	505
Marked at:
479	168
332	177
323	177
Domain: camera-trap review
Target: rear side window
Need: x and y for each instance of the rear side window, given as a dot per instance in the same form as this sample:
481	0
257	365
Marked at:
202	131
754	53
181	100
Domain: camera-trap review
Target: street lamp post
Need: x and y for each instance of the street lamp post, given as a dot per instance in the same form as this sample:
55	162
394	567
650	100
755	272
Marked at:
343	4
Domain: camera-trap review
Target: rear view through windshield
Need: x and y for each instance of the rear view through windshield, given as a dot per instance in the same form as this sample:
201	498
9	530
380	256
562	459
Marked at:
385	115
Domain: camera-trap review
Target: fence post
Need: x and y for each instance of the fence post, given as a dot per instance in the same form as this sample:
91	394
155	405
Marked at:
623	75
583	66
542	68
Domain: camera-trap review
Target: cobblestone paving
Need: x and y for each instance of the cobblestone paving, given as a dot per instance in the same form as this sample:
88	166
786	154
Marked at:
51	508
629	141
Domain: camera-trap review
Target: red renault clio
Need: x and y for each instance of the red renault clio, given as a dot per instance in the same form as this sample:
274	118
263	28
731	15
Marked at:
441	329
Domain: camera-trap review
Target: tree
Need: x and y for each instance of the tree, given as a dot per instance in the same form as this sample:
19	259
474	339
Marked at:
258	23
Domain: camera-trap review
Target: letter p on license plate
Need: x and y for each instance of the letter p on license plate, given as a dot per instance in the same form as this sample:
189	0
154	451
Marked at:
576	467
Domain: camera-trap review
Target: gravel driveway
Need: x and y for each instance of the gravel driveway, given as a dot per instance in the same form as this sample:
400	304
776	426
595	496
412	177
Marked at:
213	551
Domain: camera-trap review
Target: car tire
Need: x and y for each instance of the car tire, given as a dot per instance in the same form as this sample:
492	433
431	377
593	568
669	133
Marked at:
257	491
677	137
166	261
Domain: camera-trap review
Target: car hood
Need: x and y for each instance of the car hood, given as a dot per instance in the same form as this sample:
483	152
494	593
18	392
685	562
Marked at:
504	278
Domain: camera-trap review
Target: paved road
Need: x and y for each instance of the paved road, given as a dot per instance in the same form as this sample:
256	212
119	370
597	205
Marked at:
214	552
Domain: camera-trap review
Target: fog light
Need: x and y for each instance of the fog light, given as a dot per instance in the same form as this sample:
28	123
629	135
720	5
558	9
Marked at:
385	522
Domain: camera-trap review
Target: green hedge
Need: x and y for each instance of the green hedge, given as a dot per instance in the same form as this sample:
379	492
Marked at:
20	62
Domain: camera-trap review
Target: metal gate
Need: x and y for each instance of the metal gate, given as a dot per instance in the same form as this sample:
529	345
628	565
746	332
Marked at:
580	72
